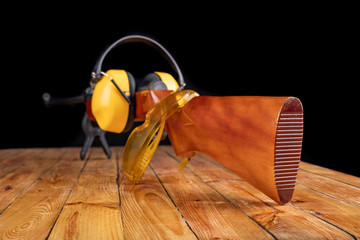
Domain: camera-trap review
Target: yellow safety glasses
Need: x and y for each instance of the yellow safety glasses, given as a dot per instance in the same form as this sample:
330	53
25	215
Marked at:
143	140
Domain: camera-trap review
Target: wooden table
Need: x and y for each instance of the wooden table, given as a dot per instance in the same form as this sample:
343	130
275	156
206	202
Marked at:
51	193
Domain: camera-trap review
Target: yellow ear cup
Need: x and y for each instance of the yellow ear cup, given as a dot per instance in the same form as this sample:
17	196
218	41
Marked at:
109	107
169	81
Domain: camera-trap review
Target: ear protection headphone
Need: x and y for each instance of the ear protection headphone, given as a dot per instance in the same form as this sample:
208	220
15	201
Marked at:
113	99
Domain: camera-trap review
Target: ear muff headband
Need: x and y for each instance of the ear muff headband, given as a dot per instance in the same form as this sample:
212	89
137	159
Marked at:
96	74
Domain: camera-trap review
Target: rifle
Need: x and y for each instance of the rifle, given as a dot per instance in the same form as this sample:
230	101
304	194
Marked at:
257	138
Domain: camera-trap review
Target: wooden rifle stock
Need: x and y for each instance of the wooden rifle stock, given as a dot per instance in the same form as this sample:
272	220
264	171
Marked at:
258	138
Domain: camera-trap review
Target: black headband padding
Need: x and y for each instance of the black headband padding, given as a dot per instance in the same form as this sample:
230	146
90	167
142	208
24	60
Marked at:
139	39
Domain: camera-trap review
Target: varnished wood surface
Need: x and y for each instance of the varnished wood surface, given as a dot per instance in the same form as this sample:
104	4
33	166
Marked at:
263	133
51	194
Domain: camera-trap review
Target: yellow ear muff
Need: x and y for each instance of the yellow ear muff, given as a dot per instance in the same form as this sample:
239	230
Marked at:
109	107
169	81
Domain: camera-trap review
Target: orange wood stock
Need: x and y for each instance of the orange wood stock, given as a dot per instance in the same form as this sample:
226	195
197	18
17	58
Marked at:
146	99
258	138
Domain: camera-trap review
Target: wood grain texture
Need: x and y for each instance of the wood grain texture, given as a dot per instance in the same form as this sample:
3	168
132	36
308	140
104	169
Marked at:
9	153
262	133
19	158
14	181
334	211
148	212
40	205
92	210
205	210
335	189
332	174
61	197
256	205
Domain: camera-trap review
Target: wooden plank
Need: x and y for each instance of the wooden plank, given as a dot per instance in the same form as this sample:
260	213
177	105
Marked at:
45	194
339	176
338	213
207	212
10	164
7	153
324	205
22	175
93	208
298	224
33	214
342	191
148	212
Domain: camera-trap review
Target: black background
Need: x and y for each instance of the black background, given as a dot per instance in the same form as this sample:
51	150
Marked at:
307	54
